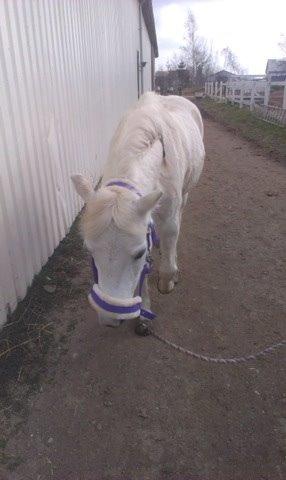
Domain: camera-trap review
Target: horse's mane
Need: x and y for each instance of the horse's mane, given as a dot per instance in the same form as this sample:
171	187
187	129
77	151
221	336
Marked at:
137	131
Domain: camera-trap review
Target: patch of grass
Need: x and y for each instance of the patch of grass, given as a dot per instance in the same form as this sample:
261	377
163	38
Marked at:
63	339
11	461
270	137
71	326
3	442
14	463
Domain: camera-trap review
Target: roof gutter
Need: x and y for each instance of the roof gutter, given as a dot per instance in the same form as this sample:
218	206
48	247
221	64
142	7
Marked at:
141	47
148	15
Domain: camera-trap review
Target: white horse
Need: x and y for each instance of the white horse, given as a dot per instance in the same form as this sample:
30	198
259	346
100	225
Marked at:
155	156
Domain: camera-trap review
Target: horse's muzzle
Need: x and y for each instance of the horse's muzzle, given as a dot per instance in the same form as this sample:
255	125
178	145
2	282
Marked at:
115	309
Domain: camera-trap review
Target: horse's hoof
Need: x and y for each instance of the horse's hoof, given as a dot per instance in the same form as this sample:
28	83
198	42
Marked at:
143	330
166	287
176	278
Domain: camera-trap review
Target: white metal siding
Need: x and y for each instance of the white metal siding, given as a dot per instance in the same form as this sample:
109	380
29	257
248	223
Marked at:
67	73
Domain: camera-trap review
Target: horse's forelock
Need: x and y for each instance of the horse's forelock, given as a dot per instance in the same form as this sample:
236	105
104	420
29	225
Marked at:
111	203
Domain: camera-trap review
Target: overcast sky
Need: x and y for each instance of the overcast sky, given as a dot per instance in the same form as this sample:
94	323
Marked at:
251	28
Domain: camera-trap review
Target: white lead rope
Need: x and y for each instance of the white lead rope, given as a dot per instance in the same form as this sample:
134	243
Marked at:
233	360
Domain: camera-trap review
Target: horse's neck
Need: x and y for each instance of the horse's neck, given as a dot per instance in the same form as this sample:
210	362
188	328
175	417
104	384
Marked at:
143	172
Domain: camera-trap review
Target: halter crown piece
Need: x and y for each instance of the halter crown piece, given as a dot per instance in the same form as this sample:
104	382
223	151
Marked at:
132	307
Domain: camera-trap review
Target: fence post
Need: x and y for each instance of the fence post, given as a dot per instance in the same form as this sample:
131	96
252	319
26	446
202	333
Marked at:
267	93
284	98
241	96
220	91
252	102
212	89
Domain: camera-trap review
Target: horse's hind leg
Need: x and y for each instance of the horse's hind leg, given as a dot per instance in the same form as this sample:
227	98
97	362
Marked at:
169	221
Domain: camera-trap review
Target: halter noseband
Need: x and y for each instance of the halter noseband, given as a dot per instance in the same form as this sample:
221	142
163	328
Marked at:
132	307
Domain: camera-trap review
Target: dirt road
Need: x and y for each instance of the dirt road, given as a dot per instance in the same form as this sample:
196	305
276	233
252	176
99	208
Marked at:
115	406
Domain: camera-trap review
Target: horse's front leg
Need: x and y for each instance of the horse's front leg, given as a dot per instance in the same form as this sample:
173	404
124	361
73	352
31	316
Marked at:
168	271
169	228
143	326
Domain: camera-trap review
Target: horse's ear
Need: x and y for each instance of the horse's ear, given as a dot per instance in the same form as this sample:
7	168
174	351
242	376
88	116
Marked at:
147	204
83	186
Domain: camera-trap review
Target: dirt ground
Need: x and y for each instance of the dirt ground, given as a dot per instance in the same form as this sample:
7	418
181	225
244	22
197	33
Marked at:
108	405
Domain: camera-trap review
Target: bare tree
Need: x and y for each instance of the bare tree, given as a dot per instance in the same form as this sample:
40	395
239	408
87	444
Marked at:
196	60
196	52
160	68
231	61
173	62
282	43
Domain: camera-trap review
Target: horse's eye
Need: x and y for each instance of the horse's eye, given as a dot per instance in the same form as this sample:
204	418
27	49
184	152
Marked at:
139	254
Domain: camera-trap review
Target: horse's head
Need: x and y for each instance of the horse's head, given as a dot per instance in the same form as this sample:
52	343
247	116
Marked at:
114	228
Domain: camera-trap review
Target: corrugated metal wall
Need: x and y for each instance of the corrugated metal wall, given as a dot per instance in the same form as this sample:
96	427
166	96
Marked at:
68	71
147	71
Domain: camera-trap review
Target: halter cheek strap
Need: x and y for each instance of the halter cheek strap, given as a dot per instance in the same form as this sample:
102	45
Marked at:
127	308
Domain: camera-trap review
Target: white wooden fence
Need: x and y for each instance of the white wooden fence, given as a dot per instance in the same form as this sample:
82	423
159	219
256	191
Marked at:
68	71
271	114
252	92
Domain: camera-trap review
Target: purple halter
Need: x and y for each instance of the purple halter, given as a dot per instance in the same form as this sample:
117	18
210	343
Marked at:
113	307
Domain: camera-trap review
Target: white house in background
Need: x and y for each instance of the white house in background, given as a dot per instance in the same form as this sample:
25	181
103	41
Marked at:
221	76
276	79
276	70
69	69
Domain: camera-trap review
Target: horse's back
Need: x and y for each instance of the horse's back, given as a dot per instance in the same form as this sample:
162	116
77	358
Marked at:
174	103
184	138
177	123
